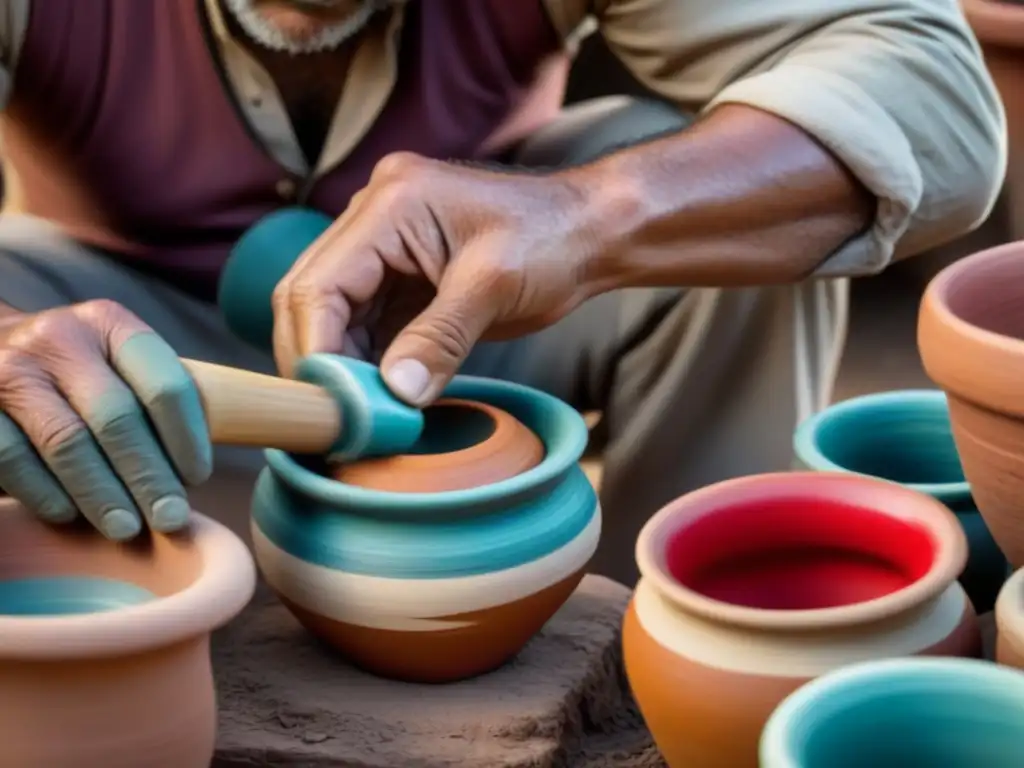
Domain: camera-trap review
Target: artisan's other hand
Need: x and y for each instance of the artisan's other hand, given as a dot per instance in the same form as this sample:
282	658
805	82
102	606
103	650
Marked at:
98	415
436	256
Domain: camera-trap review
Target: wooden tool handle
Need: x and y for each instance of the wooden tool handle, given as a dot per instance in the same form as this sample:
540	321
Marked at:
252	409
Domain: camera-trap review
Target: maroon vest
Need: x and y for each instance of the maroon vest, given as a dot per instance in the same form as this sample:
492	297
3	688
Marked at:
122	129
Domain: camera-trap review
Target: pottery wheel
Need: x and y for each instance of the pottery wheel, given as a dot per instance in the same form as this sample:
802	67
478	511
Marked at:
563	702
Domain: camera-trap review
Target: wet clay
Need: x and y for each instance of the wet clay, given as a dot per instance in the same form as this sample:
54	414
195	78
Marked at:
286	700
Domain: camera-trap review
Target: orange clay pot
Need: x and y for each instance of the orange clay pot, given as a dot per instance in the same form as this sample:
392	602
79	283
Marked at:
104	648
1010	622
999	27
971	339
464	444
751	587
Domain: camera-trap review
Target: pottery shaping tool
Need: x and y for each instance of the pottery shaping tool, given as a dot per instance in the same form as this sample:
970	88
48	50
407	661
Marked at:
335	406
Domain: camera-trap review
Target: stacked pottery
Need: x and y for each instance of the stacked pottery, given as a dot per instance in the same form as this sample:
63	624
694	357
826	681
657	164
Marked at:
440	563
971	339
104	648
752	587
906	437
954	713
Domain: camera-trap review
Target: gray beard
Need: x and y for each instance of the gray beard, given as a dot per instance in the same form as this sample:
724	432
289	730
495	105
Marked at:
329	37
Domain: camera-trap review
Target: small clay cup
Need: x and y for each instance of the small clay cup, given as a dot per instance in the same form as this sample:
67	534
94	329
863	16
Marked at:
433	586
971	339
751	587
954	713
104	648
905	436
1010	622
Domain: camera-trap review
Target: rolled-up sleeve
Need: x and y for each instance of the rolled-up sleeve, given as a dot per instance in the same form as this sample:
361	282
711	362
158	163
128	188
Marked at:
13	25
896	89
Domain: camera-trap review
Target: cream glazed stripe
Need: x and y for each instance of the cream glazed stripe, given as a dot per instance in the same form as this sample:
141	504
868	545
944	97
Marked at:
414	604
788	655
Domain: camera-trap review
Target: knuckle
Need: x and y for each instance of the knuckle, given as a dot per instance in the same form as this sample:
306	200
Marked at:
445	333
100	312
119	417
399	166
57	434
169	394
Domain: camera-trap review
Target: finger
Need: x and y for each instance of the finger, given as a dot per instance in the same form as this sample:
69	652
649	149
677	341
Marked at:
24	476
118	423
169	396
286	341
428	352
68	449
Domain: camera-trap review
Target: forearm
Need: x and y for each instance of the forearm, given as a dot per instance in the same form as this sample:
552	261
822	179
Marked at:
742	198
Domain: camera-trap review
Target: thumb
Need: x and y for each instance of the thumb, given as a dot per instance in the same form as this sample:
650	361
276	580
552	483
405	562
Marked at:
428	352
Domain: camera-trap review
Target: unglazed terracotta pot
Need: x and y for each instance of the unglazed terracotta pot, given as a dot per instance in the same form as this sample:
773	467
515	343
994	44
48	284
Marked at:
434	586
971	339
999	26
1010	622
906	437
104	648
751	587
953	713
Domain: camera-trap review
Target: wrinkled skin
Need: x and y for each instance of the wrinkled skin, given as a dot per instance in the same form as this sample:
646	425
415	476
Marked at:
98	416
483	255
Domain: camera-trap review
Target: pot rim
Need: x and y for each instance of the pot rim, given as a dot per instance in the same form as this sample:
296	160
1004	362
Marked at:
805	443
560	427
995	23
881	496
781	740
222	590
1010	608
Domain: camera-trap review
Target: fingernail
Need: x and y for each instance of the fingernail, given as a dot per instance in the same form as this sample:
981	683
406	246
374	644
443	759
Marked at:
408	379
170	513
120	525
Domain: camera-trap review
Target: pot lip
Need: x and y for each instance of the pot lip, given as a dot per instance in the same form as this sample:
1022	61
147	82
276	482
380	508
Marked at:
1010	608
558	458
995	23
805	444
781	741
881	496
936	302
221	591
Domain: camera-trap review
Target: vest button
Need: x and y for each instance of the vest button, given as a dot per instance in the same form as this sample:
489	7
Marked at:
285	189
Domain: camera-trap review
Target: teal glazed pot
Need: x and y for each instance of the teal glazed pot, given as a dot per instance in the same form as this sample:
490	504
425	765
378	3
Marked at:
905	437
262	256
433	586
902	713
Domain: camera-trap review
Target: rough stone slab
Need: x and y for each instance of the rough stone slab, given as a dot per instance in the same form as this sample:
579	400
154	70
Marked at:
563	702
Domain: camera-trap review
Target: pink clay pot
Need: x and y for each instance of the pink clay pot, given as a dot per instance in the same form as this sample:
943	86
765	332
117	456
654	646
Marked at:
104	648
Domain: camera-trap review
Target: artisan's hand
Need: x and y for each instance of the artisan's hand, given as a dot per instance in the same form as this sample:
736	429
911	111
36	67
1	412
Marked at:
441	255
98	415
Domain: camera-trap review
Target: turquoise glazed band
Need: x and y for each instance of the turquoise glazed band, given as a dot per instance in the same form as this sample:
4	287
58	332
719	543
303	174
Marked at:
437	535
374	422
261	257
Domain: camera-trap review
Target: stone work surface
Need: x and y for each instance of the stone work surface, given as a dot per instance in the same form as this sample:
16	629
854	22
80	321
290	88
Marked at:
287	701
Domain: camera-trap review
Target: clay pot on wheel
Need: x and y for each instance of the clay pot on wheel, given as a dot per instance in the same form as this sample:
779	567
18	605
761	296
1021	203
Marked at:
751	587
440	564
971	340
905	436
957	713
104	648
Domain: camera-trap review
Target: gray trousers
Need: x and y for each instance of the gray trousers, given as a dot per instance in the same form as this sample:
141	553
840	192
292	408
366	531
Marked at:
694	386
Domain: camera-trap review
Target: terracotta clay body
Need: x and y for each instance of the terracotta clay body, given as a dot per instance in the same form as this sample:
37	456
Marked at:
1010	622
752	587
971	339
433	568
999	26
104	648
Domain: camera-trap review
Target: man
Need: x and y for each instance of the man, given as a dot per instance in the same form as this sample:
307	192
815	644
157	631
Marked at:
688	286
